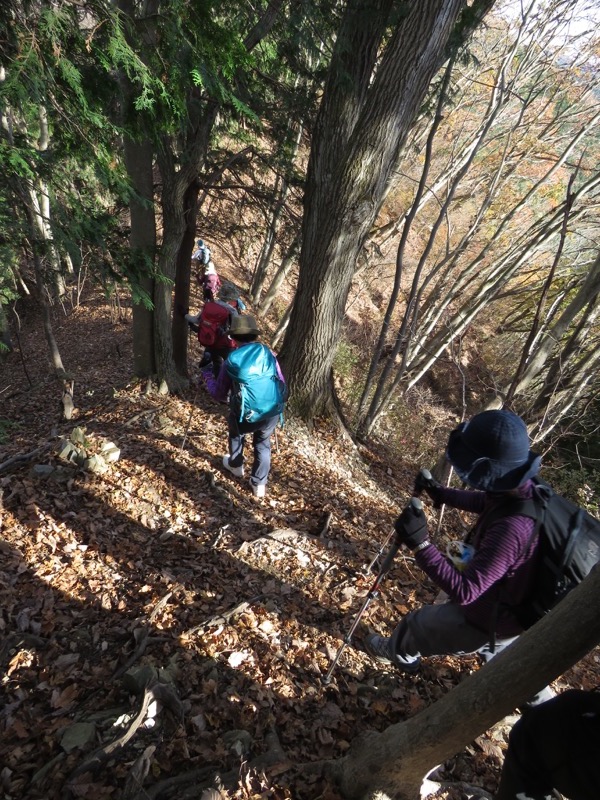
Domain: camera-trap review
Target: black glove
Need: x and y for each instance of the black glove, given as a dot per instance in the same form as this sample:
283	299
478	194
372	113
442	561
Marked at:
411	525
425	482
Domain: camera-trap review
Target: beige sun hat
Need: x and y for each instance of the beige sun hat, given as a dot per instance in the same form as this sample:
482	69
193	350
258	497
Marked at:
243	324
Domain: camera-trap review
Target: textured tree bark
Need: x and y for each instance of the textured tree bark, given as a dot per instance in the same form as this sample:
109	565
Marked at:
179	182
181	166
180	330
139	156
5	340
392	764
142	240
370	100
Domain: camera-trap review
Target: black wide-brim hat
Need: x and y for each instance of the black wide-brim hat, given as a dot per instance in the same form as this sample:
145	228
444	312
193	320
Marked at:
491	452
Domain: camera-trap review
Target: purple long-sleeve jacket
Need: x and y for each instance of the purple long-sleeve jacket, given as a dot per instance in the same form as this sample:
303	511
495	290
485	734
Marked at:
219	387
501	569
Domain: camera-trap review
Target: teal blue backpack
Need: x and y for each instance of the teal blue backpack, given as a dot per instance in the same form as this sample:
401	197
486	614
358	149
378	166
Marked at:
258	391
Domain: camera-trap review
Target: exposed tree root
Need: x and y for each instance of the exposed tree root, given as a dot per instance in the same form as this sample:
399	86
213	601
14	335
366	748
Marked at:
24	458
162	693
224	616
189	785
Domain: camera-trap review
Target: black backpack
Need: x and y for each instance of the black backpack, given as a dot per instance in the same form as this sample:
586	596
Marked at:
569	548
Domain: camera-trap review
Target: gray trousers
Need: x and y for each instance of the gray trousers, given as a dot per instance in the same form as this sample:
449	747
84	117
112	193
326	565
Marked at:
261	442
440	630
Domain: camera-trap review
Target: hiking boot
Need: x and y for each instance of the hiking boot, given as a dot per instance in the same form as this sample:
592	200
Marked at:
258	489
206	359
378	647
237	471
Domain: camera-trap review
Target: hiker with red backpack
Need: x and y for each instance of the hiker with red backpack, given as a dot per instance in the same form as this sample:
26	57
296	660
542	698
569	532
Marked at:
252	380
212	325
491	454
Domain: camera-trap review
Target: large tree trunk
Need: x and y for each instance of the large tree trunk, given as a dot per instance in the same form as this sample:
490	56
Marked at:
181	166
142	240
179	191
362	124
392	764
180	328
138	154
5	340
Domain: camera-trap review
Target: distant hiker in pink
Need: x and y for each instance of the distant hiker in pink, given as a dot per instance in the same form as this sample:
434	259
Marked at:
210	282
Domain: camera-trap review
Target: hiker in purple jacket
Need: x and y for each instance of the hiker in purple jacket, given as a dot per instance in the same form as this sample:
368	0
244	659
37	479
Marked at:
491	454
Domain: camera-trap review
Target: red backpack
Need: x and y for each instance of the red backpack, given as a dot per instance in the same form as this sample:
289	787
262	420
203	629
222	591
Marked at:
213	325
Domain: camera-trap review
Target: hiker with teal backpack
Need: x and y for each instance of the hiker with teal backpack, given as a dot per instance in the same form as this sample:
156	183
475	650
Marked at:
252	380
490	454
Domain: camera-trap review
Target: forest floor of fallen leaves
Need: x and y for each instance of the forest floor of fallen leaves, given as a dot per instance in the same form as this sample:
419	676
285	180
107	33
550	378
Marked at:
163	630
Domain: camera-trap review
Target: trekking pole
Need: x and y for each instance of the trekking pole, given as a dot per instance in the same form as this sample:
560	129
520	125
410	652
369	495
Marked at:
443	506
276	442
371	594
426	476
377	555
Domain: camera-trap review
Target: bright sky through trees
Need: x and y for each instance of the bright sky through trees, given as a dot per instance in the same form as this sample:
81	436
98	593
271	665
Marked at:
582	19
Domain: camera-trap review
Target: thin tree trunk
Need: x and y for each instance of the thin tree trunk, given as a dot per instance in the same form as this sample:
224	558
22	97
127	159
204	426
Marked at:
43	212
260	274
535	326
263	25
588	291
282	327
264	258
408	220
42	292
280	275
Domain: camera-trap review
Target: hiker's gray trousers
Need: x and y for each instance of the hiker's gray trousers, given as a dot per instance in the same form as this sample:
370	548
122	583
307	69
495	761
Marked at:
261	442
440	630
